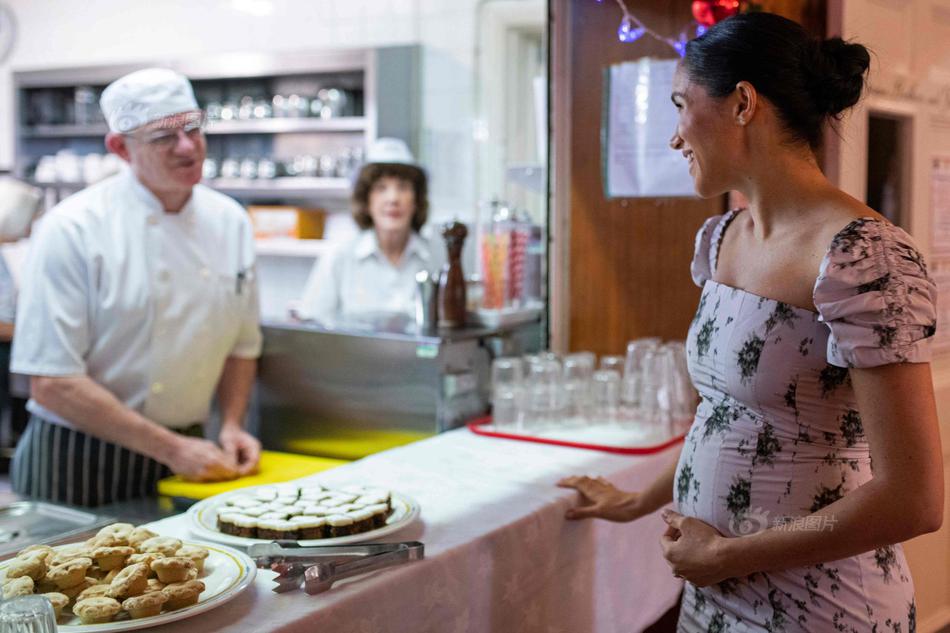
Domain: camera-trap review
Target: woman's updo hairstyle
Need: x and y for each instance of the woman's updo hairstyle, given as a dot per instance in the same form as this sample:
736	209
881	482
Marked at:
807	80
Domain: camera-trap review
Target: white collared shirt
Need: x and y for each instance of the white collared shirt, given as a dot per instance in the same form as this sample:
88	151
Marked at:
148	304
357	278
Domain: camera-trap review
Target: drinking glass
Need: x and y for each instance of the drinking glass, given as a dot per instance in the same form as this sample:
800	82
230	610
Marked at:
633	368
543	394
27	614
605	395
507	379
612	363
578	369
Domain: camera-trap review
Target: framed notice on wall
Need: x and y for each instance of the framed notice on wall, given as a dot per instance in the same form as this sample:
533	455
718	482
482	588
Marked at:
638	121
940	246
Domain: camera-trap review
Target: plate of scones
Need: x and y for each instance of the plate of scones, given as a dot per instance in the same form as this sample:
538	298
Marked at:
127	577
306	512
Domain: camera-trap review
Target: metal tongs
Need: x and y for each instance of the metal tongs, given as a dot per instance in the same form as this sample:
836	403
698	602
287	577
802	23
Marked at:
317	568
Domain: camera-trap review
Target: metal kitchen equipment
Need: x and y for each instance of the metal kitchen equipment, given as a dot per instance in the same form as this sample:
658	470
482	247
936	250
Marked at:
25	523
350	393
317	568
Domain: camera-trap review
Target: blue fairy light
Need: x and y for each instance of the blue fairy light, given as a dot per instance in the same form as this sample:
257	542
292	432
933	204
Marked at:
627	33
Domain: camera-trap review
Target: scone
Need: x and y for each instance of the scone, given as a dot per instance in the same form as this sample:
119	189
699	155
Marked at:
173	569
66	554
58	600
119	531
196	554
129	582
139	535
146	605
97	610
22	586
73	592
45	551
148	558
70	573
95	591
154	584
163	545
183	594
32	566
109	558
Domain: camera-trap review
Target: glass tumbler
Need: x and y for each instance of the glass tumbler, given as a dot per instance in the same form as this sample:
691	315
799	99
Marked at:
507	380
578	369
612	363
605	396
544	398
633	369
27	614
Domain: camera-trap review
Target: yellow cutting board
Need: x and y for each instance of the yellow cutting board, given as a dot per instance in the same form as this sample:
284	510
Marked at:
273	468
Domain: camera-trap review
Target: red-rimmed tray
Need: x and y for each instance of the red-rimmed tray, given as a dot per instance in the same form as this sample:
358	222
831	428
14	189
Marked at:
479	427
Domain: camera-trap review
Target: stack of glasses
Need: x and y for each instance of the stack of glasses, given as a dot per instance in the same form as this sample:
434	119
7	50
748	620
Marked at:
647	390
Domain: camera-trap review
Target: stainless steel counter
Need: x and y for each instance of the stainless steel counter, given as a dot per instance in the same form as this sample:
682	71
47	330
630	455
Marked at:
348	393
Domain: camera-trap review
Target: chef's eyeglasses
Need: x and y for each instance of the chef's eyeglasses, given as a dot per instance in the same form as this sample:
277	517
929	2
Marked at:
166	137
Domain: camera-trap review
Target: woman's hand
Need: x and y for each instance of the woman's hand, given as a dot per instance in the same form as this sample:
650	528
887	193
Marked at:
601	500
695	550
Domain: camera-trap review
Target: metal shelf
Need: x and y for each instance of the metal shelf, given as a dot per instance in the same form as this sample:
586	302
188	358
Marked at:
302	187
65	131
288	125
289	247
254	126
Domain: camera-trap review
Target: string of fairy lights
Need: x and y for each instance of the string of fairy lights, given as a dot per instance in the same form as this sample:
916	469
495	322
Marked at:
706	12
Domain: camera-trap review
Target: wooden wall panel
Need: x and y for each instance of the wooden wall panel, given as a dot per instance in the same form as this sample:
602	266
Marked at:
629	258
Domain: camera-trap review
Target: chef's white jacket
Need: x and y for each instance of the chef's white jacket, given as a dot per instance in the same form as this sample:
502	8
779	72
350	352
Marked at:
148	304
356	278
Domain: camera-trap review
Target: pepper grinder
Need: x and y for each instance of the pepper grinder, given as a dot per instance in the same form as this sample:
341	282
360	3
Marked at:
452	280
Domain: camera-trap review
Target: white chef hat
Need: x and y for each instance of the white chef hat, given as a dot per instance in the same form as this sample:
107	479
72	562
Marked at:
144	96
390	151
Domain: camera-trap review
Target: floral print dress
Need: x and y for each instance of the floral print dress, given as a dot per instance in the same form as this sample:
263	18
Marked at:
777	434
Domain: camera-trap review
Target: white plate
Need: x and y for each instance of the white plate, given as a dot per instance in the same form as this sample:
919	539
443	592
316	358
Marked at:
203	521
227	573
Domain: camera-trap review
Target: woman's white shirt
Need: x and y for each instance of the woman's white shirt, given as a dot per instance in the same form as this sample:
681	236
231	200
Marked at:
357	278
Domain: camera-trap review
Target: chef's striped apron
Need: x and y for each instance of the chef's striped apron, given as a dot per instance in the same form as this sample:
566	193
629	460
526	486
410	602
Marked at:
64	465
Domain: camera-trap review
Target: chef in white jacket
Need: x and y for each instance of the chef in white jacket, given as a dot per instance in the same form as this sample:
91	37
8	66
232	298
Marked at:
138	306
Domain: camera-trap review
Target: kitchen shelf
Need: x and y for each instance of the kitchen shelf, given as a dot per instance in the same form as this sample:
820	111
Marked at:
290	187
301	187
65	131
289	247
254	126
288	125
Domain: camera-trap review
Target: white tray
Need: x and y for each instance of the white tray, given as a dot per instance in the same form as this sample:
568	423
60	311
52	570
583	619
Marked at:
203	521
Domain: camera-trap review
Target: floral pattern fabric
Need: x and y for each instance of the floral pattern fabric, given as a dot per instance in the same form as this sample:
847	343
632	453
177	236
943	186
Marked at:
778	433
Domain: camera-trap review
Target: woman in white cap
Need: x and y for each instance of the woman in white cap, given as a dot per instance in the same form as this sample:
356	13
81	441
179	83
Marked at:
138	307
374	274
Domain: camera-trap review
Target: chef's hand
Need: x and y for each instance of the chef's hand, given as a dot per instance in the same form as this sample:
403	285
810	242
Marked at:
202	460
694	550
242	447
601	500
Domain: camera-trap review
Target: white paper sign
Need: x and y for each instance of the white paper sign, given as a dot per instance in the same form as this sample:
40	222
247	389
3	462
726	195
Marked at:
640	120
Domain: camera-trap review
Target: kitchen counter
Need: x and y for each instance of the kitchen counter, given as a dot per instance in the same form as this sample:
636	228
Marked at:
499	555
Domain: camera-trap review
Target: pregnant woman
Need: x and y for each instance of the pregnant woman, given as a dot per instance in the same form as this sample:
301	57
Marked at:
815	449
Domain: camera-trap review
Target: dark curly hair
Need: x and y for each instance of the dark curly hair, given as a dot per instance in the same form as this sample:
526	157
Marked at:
808	80
373	172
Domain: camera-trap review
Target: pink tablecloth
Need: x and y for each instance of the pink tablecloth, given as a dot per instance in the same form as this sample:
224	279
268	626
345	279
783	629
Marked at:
499	555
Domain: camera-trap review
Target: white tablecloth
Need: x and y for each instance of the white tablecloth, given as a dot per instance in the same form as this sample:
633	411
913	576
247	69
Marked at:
499	555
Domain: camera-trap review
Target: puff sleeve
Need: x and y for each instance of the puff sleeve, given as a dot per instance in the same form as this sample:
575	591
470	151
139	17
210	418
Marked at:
874	294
